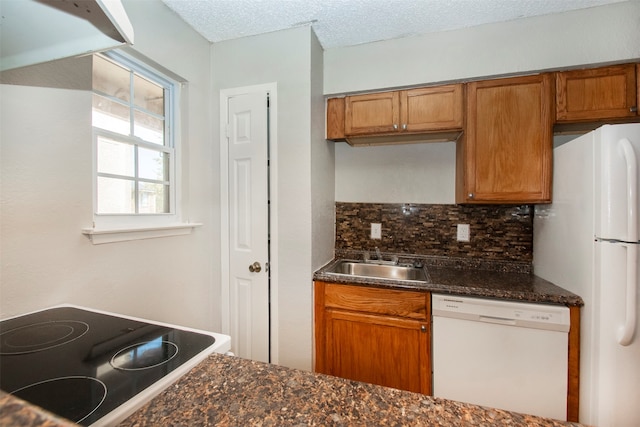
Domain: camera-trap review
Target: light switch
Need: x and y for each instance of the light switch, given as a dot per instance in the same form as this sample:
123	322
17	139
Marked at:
376	230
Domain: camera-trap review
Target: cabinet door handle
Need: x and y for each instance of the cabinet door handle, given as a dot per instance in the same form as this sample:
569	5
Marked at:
404	126
633	109
395	126
470	195
423	328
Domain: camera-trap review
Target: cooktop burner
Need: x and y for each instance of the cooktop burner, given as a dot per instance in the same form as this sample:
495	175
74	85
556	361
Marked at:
95	368
86	393
41	336
146	355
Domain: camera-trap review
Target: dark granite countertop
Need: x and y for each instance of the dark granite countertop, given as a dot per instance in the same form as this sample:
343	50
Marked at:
17	412
230	391
508	281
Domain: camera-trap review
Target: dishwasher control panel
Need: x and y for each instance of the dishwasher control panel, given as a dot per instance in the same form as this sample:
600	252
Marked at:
523	314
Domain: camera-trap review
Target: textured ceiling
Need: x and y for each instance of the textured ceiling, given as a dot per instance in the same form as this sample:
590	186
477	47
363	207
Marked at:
339	23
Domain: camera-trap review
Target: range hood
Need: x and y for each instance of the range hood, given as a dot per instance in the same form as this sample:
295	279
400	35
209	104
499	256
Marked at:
36	31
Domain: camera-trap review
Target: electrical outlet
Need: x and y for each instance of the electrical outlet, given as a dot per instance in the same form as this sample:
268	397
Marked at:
376	230
463	233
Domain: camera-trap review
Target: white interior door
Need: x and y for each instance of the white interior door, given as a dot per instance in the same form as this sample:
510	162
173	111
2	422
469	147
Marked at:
247	136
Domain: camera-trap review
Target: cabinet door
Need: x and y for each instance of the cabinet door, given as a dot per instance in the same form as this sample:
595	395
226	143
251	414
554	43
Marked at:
381	350
505	155
335	119
373	113
596	94
432	108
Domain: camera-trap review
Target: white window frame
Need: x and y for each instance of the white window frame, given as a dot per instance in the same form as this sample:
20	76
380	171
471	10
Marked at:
108	228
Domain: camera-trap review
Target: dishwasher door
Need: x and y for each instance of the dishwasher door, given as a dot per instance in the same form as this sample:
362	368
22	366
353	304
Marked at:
506	355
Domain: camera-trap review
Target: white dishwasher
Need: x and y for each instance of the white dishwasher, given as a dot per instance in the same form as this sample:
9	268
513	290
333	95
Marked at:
507	355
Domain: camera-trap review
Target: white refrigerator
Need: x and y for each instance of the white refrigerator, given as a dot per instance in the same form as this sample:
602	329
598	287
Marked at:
587	241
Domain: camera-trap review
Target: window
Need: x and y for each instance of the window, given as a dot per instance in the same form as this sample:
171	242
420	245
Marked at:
135	153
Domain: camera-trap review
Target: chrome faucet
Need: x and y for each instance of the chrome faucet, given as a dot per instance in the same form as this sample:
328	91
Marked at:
379	260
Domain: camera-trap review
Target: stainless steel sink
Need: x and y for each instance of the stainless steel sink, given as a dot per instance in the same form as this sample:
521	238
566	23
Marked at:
379	271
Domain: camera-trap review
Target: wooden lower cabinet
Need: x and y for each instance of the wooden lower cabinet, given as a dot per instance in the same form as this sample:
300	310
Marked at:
378	336
573	383
383	336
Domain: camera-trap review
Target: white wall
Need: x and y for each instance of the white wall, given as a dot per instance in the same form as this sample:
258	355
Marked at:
322	167
412	173
45	136
322	173
425	173
587	36
286	58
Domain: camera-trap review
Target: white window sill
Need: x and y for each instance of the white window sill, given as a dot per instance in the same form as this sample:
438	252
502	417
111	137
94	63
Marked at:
112	235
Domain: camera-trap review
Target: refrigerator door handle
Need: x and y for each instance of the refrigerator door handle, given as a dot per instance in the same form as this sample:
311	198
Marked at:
626	332
628	329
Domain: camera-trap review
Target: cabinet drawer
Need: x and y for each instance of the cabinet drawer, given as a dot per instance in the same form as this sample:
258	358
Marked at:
412	305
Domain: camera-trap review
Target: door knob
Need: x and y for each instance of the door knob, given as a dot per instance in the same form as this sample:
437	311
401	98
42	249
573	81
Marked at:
255	267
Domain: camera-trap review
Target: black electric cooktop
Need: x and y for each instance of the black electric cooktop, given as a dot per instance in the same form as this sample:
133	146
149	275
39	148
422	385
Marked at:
89	366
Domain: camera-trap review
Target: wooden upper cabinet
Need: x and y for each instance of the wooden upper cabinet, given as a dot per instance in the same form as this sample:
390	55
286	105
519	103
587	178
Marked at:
431	108
335	119
505	154
371	114
583	98
413	111
597	94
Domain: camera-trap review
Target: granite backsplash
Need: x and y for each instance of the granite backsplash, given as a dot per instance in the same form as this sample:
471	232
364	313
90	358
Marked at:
498	232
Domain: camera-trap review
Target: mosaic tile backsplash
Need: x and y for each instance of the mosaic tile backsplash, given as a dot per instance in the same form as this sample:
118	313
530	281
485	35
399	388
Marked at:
498	232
